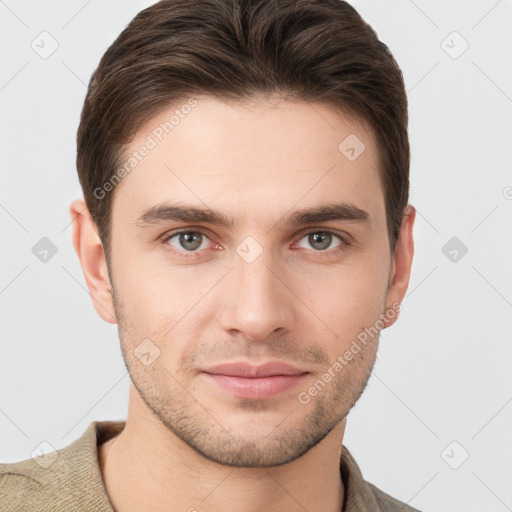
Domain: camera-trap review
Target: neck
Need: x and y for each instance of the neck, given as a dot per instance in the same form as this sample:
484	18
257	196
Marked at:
147	467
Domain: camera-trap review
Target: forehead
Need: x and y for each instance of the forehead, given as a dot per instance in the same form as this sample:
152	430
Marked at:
250	158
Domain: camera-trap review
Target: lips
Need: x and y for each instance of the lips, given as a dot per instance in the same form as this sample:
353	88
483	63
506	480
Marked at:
250	371
262	382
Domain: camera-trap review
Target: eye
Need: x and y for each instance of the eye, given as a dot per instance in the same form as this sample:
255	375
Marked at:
188	241
321	240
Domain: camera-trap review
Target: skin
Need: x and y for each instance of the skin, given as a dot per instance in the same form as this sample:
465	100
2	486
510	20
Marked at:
300	301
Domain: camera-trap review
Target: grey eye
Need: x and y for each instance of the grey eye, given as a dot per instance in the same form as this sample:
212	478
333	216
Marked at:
188	240
320	240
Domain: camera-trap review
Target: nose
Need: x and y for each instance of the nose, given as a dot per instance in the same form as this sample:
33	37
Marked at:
255	301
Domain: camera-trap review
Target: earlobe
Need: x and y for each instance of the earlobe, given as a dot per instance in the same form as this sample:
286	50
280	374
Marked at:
89	250
402	263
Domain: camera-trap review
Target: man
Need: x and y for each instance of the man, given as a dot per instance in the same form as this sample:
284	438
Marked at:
246	224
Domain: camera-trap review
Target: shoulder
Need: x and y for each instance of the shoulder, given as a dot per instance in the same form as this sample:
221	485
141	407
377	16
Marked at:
387	503
25	485
361	495
63	480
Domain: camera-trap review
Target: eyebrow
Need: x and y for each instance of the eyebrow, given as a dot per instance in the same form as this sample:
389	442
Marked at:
331	212
167	212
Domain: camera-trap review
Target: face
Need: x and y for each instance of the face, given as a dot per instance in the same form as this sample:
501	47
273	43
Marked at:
246	237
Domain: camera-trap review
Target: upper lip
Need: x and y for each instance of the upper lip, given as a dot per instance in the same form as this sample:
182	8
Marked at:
254	371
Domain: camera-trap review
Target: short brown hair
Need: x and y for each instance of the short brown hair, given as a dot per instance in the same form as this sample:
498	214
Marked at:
310	50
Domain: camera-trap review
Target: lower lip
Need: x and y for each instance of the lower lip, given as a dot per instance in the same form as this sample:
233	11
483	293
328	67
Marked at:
259	388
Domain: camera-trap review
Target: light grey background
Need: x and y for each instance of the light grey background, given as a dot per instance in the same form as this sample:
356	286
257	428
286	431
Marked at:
443	372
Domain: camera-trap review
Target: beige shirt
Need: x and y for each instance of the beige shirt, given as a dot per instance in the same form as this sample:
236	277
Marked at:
70	480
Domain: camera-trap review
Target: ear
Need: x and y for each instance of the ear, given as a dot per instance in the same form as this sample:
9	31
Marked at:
90	252
402	262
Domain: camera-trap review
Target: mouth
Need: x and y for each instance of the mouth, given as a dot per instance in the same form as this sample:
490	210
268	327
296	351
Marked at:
243	380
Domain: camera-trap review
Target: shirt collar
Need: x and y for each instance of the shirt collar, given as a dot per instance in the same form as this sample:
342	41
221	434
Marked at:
358	495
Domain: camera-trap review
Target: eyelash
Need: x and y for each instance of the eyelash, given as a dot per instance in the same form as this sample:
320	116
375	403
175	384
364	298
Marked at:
190	254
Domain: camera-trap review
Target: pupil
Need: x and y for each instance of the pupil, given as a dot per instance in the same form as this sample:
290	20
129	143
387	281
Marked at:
190	241
323	238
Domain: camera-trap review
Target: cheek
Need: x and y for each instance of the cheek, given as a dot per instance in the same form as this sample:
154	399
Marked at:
164	303
346	300
144	301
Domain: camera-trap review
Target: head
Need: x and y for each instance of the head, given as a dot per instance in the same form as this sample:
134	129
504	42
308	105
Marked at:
245	169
